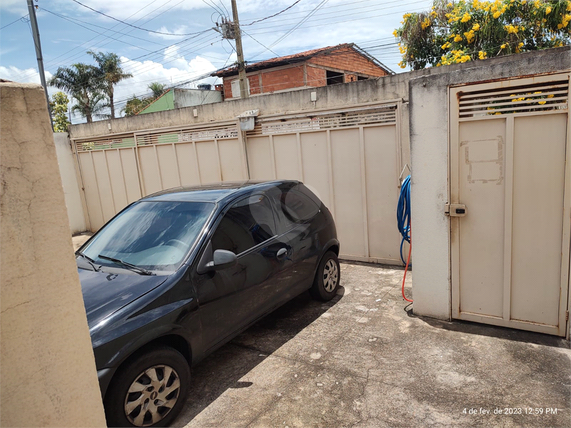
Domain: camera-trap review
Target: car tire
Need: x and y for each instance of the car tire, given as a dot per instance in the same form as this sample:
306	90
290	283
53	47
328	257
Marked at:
327	278
138	393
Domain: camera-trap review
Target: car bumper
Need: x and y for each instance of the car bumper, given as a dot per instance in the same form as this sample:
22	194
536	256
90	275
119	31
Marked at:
104	376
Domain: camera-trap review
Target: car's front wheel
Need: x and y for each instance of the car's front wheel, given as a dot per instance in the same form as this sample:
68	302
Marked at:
149	391
327	278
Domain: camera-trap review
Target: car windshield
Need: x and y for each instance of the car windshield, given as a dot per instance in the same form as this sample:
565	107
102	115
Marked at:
154	236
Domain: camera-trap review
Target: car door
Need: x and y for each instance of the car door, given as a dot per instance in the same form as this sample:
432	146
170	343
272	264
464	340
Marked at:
298	231
232	298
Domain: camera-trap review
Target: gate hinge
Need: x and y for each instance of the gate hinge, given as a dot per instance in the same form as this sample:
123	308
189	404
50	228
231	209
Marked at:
455	210
567	316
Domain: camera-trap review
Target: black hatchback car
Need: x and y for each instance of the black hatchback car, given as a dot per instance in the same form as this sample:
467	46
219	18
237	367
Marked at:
179	273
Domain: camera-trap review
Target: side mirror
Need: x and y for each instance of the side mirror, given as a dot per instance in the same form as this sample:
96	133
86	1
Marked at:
222	259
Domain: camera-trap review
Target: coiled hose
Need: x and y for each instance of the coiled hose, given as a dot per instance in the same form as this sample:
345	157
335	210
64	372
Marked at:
403	224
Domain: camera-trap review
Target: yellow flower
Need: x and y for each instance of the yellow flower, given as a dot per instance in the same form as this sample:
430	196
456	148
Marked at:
511	29
541	102
523	1
497	14
476	27
426	23
458	38
504	46
402	64
482	55
547	10
466	17
568	6
520	44
395	33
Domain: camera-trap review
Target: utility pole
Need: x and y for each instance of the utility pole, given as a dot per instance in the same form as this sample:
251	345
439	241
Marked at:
241	66
36	35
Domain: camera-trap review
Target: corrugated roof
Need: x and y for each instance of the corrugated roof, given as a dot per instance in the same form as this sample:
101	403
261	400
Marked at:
298	57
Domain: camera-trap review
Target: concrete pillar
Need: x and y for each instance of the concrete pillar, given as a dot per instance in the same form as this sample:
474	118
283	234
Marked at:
47	365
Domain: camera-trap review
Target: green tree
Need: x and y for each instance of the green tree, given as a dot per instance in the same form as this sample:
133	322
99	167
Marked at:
157	88
109	67
134	105
58	106
461	31
84	83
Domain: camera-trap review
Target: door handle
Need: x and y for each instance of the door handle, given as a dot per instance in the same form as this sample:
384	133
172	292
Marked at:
282	252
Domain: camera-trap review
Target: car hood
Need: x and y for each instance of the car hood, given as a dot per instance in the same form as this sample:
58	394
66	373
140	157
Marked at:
105	293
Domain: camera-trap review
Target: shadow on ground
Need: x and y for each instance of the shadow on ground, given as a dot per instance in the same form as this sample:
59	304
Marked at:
223	369
496	332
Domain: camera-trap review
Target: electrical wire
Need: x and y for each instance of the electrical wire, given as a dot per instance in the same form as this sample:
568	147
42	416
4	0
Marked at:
299	24
13	22
403	224
272	16
130	25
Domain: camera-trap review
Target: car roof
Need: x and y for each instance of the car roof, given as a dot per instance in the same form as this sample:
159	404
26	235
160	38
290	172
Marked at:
215	192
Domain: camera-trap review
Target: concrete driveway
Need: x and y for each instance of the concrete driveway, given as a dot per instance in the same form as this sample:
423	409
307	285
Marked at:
364	360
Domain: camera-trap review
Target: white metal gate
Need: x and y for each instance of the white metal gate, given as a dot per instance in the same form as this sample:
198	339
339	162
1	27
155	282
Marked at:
510	203
118	170
351	158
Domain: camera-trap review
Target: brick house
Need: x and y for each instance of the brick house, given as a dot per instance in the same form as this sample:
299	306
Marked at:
318	67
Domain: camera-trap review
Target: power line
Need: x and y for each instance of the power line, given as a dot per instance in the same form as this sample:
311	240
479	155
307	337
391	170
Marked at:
295	27
272	16
106	37
131	25
13	22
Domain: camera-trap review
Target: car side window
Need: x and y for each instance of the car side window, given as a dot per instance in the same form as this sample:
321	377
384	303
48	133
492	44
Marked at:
246	224
297	207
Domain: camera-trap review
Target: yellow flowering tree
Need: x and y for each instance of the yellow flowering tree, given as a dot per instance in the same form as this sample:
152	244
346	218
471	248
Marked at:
462	31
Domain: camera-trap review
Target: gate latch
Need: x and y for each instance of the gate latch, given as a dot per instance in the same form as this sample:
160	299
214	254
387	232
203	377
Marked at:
455	210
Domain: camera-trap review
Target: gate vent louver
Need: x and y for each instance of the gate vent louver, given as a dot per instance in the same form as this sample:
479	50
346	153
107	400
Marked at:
271	126
520	99
187	135
116	142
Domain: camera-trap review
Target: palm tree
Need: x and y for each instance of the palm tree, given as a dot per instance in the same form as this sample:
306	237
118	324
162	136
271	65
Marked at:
84	84
109	66
157	88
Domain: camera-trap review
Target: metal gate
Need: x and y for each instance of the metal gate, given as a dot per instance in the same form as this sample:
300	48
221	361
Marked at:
351	158
510	203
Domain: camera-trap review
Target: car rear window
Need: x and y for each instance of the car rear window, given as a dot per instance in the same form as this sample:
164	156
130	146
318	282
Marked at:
297	207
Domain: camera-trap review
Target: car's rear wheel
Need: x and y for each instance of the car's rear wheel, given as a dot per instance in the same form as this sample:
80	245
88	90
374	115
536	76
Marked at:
149	391
327	278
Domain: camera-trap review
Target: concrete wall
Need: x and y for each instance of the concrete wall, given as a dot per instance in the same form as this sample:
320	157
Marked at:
429	147
195	97
334	97
47	365
70	182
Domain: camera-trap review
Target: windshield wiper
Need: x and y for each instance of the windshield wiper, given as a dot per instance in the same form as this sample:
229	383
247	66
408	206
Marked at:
89	260
139	270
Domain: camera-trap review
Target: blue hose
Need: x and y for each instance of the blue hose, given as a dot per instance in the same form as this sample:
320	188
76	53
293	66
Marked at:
403	214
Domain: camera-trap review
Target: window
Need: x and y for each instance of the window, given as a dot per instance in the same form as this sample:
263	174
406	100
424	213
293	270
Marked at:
154	235
334	77
246	224
297	207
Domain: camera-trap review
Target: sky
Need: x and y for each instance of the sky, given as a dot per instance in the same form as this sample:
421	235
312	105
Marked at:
173	41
